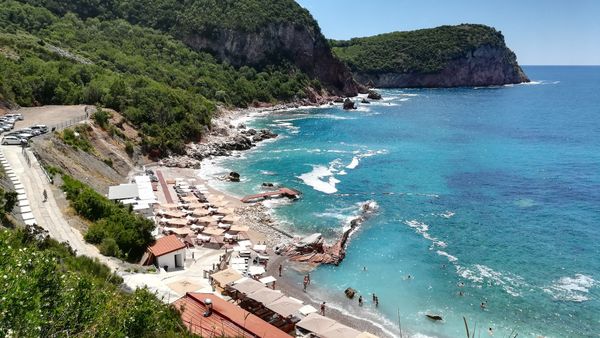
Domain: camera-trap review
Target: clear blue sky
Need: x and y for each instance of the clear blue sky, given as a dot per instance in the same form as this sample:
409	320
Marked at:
540	32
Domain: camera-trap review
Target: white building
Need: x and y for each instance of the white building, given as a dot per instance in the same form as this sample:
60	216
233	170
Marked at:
139	194
167	253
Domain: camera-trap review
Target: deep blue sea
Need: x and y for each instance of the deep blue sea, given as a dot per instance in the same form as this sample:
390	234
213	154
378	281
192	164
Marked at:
492	192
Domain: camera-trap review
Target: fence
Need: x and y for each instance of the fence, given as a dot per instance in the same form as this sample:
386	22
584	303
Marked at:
68	123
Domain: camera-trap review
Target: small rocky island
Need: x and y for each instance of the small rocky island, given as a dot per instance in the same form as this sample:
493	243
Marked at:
448	56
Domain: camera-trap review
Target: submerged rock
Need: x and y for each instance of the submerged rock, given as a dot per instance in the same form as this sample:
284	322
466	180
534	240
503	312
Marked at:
350	292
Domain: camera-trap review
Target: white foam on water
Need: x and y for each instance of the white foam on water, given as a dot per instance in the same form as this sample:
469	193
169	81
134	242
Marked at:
447	255
447	214
482	274
356	159
314	177
422	228
322	178
354	163
404	99
572	289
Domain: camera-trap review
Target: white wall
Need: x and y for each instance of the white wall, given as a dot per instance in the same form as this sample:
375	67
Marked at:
169	259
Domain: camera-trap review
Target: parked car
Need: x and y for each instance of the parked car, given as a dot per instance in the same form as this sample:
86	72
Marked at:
4	127
41	127
11	140
31	131
25	136
15	116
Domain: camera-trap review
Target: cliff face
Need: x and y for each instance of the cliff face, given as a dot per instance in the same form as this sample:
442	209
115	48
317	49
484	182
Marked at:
303	46
445	56
485	66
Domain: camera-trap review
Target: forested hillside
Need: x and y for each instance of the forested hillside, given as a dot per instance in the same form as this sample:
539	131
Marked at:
162	86
445	56
258	33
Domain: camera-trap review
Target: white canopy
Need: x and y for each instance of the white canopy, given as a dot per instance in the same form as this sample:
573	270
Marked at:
256	270
268	279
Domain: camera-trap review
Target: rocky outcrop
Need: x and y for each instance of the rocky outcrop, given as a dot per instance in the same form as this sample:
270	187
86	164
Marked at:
303	45
485	66
373	95
313	249
349	104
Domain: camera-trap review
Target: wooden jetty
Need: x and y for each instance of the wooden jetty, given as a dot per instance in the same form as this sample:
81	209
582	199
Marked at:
280	193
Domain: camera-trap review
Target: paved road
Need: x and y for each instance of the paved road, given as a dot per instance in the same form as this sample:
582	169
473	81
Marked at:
48	214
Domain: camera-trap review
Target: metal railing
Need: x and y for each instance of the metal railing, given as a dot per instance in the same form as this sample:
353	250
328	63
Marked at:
68	123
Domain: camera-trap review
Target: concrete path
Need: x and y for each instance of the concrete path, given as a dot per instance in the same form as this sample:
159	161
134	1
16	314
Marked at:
47	214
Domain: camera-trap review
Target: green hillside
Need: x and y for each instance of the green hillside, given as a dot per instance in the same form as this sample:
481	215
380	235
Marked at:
48	292
420	51
195	15
163	87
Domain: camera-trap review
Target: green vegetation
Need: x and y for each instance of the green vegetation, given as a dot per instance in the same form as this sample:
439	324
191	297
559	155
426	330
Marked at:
161	86
8	200
49	292
420	51
176	16
78	137
114	227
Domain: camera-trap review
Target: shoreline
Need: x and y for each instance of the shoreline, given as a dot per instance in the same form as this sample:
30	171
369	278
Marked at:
259	218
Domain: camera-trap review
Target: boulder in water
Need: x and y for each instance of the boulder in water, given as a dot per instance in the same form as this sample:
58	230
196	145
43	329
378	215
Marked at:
349	104
373	95
350	292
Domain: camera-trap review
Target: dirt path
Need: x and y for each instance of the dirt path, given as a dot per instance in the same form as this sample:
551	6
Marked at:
48	214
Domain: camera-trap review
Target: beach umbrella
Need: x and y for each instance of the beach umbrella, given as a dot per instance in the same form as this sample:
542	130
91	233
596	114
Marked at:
265	296
247	285
201	212
339	330
316	323
239	228
286	306
206	219
230	219
213	231
225	211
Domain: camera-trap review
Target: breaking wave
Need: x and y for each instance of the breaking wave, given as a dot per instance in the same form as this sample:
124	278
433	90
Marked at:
572	289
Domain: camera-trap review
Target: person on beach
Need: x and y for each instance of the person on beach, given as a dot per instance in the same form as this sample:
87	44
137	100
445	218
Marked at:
273	285
305	283
374	297
376	301
308	277
364	268
483	305
280	268
360	301
323	309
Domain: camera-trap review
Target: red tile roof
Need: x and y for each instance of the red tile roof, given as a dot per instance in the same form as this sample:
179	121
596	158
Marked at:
227	319
166	245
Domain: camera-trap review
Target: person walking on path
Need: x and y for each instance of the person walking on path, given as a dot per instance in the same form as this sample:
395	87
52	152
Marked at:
323	309
280	268
45	195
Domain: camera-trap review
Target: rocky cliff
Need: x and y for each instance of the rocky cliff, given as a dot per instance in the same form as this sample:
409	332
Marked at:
303	46
485	66
447	56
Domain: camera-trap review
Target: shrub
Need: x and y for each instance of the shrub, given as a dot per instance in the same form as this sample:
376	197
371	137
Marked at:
129	148
101	117
109	247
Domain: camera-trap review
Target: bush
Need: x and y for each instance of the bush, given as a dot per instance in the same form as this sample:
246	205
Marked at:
129	231
101	118
47	292
109	247
129	148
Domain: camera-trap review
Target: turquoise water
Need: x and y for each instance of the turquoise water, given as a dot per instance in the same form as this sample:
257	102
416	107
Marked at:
496	188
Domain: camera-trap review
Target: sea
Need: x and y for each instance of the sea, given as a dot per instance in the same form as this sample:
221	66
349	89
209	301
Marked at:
486	196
